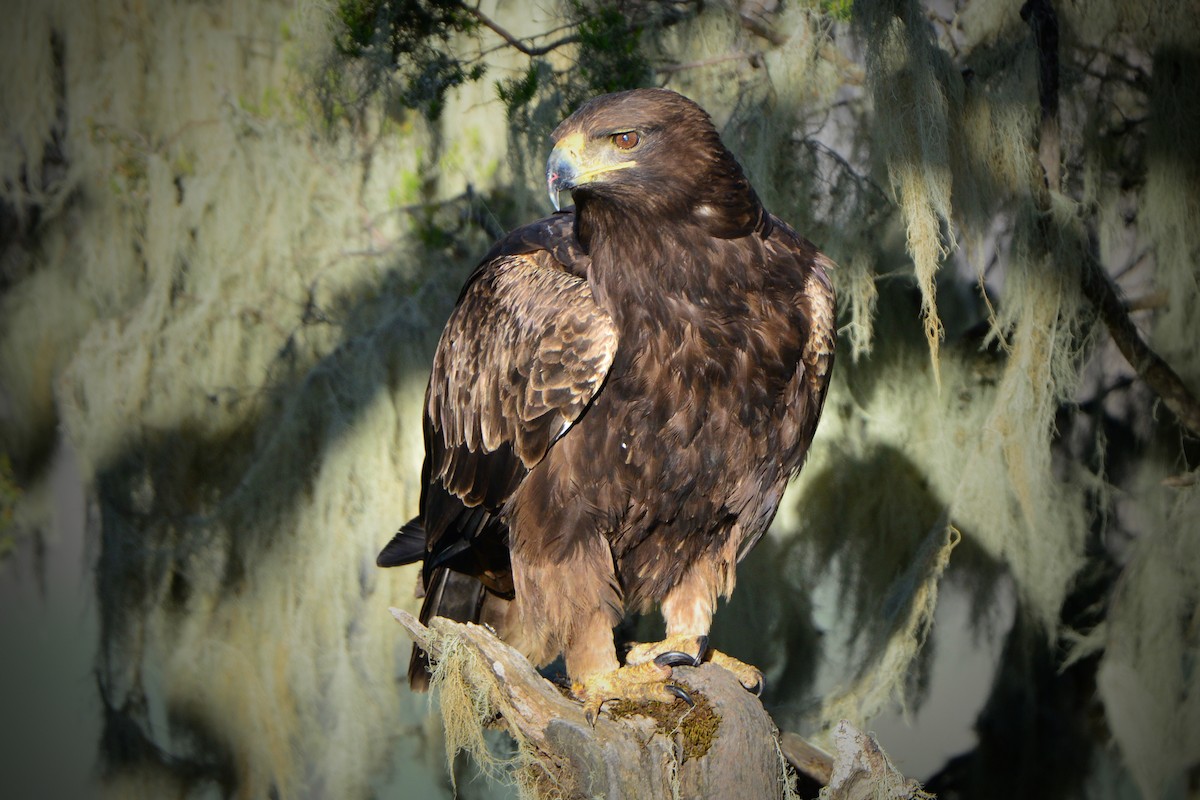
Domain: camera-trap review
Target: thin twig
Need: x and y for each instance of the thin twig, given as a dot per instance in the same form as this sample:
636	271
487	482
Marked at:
760	28
865	180
516	43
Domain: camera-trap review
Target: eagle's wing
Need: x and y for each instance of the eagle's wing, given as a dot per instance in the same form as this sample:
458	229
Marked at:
522	355
816	314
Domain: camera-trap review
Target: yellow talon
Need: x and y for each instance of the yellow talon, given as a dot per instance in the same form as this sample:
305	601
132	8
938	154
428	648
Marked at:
683	649
639	682
749	676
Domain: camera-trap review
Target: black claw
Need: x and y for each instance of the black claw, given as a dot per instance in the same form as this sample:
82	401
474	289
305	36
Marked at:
758	687
702	641
674	658
681	693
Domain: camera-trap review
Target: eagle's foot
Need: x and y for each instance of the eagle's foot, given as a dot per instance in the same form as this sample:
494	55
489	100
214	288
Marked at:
677	650
690	651
749	676
640	682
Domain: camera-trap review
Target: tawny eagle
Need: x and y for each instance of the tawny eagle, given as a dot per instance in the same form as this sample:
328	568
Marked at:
618	400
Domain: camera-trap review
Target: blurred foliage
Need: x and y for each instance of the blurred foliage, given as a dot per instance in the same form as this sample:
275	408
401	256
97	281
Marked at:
411	53
406	47
840	10
10	493
516	93
404	26
610	58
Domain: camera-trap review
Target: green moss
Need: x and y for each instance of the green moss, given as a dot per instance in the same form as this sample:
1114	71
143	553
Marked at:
696	726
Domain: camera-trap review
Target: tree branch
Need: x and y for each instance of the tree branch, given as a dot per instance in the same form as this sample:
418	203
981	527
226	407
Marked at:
1157	374
667	69
807	757
1097	286
759	27
513	41
1044	22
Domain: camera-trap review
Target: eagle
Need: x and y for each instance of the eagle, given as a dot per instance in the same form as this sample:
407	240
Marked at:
618	400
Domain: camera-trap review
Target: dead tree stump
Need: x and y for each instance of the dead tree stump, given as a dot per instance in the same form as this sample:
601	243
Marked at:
726	747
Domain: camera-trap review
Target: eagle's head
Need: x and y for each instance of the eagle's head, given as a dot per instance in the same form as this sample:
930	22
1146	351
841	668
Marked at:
651	153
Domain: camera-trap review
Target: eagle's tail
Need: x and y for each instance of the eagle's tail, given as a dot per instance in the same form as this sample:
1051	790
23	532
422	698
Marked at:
452	595
407	546
448	593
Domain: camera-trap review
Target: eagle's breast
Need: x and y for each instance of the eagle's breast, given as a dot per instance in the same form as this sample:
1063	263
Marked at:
688	432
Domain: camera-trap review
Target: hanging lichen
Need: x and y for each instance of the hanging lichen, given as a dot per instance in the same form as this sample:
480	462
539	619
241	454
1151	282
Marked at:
1148	676
897	634
915	92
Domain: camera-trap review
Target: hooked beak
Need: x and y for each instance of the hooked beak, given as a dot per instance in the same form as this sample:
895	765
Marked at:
561	168
560	177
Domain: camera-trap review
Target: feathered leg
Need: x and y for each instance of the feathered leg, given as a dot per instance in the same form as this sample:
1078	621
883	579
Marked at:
688	610
570	605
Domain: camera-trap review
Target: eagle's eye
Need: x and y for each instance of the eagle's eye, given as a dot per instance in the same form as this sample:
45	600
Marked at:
625	141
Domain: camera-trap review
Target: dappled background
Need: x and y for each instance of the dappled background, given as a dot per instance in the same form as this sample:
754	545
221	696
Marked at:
230	233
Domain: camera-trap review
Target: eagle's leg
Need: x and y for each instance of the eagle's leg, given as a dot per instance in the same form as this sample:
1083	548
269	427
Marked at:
597	678
688	610
570	605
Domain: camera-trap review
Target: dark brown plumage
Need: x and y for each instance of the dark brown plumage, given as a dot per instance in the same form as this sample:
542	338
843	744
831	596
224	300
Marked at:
620	396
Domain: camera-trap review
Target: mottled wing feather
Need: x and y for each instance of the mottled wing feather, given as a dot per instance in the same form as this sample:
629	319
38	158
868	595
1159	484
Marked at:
816	303
822	338
523	354
550	241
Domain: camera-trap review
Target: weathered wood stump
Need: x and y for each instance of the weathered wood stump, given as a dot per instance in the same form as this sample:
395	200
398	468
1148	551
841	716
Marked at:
725	747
